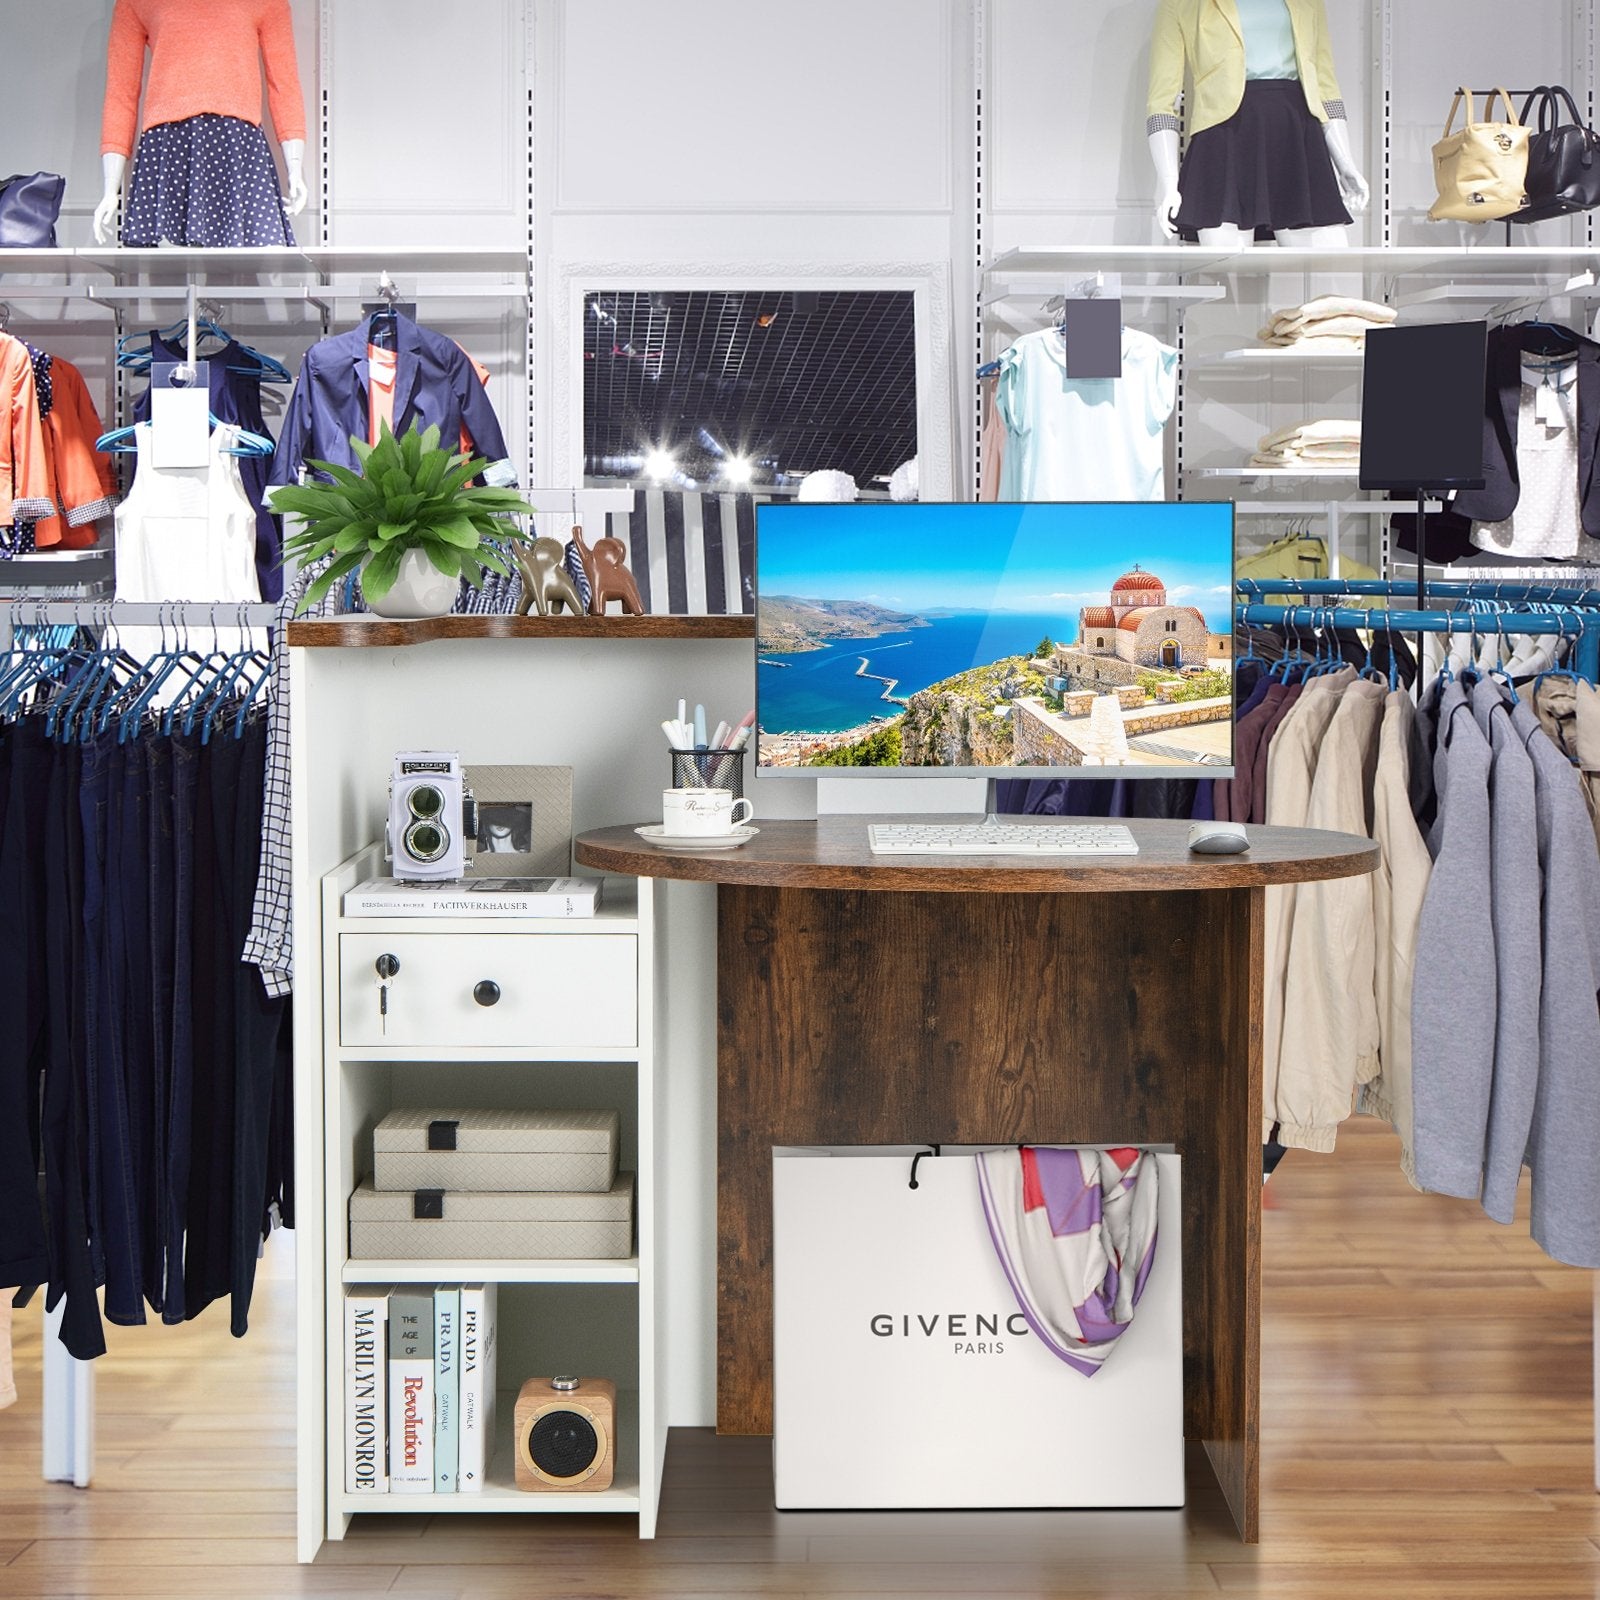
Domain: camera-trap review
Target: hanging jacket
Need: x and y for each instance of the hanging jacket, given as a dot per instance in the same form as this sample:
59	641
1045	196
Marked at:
435	386
1289	778
83	486
24	461
1566	1116
1208	38
1453	995
1330	1041
1449	532
1515	889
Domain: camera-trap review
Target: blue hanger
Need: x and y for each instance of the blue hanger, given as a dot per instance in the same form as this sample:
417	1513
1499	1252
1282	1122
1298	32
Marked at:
124	441
136	356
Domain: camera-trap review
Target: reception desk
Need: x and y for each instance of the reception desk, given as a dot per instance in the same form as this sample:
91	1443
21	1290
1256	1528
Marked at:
868	1000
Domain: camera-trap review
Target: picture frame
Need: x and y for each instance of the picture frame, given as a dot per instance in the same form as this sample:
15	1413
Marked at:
524	822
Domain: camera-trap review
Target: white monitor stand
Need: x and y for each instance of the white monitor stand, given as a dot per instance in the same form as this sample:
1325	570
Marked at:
887	796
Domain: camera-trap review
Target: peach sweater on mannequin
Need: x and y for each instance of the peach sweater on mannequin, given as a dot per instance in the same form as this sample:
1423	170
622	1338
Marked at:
205	55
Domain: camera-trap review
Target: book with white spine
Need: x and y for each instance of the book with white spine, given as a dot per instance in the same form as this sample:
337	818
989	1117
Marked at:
475	897
411	1391
476	1408
366	1401
446	1387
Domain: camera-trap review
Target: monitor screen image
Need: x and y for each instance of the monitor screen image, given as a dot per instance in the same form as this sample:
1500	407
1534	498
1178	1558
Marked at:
995	638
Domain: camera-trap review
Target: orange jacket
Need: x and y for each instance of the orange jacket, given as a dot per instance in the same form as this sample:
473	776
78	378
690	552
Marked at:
82	483
24	468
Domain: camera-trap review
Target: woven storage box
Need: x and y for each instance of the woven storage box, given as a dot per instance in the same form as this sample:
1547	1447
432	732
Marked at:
488	1151
429	1224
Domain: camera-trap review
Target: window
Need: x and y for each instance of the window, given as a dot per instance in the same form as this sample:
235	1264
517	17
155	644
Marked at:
1099	642
748	388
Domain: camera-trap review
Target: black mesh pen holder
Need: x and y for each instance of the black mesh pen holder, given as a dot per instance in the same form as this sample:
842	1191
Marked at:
709	769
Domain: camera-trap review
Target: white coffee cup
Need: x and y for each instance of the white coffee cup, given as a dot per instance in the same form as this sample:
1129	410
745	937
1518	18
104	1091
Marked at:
702	812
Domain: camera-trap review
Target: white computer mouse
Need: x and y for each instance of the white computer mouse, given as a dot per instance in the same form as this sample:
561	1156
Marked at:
1218	838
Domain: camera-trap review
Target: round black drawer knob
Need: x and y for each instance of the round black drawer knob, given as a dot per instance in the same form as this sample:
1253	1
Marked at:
486	993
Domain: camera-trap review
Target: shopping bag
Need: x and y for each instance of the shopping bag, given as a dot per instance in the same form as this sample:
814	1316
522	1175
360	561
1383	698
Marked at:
906	1376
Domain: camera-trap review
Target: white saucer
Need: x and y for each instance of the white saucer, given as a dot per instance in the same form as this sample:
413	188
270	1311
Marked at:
654	833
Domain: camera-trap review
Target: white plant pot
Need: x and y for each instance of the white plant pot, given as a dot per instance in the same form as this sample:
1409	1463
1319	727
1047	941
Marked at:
420	590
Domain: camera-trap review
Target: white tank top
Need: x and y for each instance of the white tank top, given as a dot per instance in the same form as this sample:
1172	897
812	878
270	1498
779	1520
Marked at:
187	533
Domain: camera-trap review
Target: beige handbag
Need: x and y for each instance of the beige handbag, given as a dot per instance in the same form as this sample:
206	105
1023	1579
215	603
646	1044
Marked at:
1481	170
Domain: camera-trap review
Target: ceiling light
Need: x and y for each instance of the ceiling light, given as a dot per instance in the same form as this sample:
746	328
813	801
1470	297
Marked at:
739	470
658	464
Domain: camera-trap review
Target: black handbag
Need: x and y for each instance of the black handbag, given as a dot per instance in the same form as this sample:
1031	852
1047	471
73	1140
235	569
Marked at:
29	207
1563	160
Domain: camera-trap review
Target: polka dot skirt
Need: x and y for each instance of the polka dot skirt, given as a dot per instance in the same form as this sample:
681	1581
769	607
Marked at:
208	181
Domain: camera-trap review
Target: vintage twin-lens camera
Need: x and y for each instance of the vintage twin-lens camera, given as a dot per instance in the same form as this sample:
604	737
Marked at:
431	816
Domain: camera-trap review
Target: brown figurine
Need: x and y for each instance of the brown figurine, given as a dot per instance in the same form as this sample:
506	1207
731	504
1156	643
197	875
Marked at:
585	558
611	580
546	583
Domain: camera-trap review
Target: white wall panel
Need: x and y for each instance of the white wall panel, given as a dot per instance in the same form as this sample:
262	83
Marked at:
1066	114
428	114
720	105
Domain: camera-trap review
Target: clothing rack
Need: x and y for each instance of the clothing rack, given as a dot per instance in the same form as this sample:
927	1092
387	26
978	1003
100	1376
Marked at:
1583	628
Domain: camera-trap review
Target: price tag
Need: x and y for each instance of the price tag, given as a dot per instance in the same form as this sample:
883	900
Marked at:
180	419
1093	333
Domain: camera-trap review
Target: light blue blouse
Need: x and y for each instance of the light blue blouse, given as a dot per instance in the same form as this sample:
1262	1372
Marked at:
1268	39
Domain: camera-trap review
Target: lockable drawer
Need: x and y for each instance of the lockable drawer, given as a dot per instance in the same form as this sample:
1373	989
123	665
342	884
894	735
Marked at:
461	992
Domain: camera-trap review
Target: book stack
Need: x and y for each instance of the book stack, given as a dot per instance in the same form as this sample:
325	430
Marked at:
419	1374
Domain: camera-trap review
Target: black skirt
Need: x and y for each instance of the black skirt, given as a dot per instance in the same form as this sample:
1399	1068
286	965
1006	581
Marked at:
1266	168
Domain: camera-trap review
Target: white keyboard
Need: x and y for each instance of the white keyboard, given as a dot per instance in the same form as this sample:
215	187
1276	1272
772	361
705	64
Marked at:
994	838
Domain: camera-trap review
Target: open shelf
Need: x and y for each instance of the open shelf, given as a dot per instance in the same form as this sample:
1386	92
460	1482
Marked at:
620	1270
1266	355
1324	474
1482	262
380	633
500	1492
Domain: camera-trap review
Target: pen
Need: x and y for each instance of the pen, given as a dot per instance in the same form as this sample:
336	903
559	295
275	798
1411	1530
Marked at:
699	726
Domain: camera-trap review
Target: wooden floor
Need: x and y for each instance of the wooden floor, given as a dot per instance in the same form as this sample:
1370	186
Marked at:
1428	1433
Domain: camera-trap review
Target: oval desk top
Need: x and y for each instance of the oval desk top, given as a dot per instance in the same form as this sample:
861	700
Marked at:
832	853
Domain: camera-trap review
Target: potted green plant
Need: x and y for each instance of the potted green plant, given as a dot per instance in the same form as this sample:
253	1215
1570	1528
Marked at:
410	520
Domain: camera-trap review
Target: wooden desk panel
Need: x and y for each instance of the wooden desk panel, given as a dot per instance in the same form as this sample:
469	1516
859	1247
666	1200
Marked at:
1097	1002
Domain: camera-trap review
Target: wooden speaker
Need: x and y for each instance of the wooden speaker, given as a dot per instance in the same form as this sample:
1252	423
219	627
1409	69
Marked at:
566	1434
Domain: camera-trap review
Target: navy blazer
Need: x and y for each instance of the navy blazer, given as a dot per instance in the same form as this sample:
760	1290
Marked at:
435	385
1450	532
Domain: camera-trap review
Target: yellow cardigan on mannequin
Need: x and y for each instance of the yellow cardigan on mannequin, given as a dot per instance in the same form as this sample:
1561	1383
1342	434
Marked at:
1206	36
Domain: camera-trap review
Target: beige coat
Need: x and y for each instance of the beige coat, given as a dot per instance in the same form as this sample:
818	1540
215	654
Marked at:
1291	766
1330	1009
1399	887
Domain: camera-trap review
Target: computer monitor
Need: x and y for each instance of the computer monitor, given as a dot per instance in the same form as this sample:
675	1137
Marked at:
995	640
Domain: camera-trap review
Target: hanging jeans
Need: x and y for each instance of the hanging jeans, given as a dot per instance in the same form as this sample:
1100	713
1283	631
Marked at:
180	1083
24	766
74	1269
117	1215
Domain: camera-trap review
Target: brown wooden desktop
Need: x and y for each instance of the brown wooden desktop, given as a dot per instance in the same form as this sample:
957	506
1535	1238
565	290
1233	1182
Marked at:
866	1000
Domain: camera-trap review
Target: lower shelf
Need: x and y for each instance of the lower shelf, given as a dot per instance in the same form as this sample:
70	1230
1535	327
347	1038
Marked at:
501	1493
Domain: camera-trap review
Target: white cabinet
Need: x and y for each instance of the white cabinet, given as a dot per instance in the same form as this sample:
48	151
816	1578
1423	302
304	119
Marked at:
515	1014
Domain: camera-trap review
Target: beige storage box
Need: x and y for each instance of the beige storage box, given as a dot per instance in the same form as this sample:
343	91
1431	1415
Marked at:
496	1151
430	1224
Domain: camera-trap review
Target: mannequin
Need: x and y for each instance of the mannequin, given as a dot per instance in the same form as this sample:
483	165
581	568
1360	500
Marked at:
1270	146
203	173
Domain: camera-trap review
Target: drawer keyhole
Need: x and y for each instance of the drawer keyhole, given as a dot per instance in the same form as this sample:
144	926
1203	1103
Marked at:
486	993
